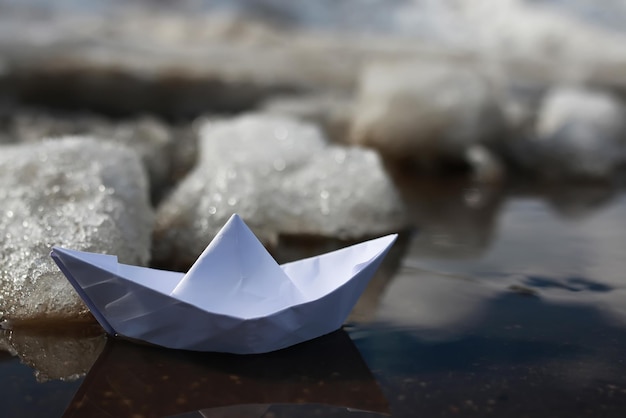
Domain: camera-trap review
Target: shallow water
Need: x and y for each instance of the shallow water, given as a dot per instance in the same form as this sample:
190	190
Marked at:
510	304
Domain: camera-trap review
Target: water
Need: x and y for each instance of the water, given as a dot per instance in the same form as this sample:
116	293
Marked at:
514	308
23	396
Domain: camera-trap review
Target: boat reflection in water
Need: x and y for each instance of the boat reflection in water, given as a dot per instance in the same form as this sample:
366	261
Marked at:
323	377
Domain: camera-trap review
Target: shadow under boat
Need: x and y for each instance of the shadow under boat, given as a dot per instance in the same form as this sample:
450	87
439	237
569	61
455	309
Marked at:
326	375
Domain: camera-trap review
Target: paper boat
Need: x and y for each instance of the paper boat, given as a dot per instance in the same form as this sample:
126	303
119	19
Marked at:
234	299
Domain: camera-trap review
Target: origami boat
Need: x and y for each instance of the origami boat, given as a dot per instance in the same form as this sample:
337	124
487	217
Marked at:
234	299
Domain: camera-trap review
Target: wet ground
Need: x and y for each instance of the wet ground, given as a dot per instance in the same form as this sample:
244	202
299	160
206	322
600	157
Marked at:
500	306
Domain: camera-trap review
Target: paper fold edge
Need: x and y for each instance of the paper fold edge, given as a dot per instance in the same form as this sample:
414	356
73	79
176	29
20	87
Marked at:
57	254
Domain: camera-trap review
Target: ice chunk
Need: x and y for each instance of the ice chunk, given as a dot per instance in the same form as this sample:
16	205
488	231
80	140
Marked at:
580	133
281	177
331	112
77	193
424	112
148	136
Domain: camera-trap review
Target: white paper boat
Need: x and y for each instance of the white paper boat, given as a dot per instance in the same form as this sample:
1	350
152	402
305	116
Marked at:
234	299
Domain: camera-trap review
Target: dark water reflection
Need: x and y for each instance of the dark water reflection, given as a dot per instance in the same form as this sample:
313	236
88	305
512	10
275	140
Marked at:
146	381
23	396
509	304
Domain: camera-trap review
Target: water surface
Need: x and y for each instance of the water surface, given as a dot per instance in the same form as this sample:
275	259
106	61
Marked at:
508	304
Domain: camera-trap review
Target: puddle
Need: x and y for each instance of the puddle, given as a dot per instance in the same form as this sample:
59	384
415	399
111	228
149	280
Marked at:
519	310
